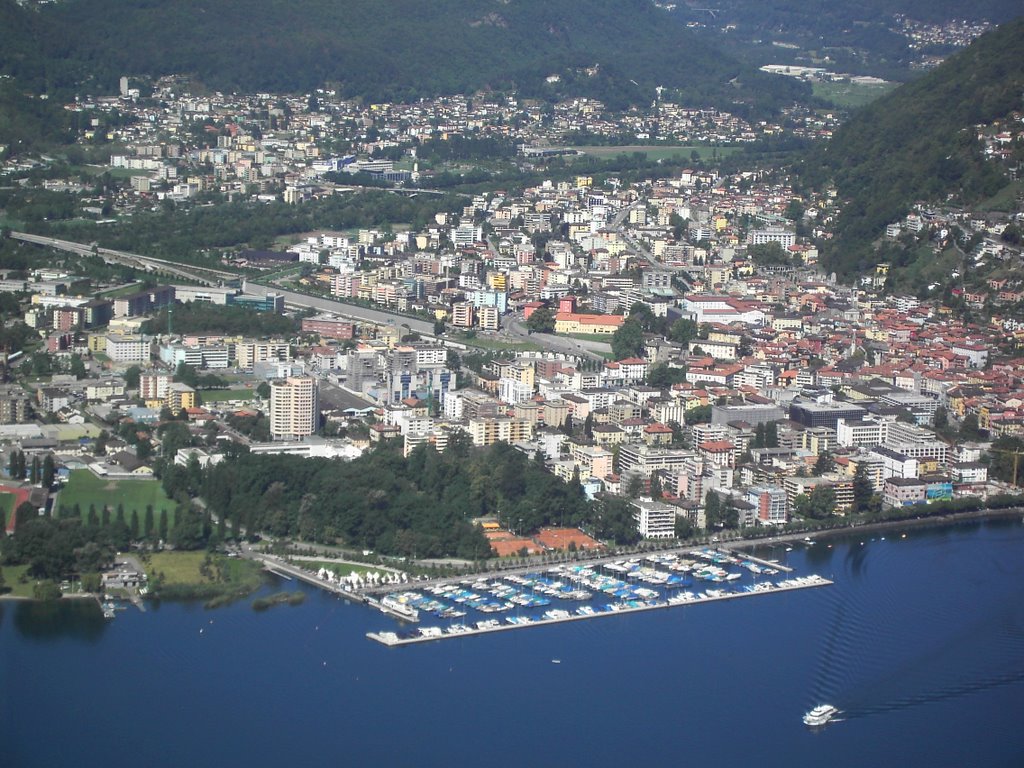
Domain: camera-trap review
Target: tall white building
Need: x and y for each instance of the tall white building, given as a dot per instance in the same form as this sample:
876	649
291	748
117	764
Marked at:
293	407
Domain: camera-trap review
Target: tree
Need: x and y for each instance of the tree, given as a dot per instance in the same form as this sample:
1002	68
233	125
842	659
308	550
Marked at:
163	524
438	327
635	487
78	369
700	414
941	419
656	489
771	435
642	314
35	472
863	489
683	331
148	522
131	377
46	591
817	505
824	464
23	514
713	509
663	376
969	427
49	470
133	526
759	437
263	390
542	320
628	340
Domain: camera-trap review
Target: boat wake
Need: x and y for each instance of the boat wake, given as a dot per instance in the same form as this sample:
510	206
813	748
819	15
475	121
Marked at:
933	697
894	647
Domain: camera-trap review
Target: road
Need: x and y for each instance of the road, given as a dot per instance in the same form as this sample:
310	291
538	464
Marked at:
618	224
378	316
591	349
563	344
148	263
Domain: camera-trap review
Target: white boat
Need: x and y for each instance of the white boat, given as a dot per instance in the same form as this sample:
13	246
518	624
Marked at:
820	715
399	608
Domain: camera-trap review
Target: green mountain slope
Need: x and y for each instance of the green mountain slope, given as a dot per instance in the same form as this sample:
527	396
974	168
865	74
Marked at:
918	143
391	49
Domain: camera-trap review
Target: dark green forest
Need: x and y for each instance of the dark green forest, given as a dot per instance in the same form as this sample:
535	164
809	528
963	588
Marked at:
417	507
200	317
918	143
392	50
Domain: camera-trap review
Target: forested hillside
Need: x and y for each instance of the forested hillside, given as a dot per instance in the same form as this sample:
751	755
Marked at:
918	143
616	50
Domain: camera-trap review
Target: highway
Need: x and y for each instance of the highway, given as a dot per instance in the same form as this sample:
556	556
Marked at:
378	316
148	263
214	277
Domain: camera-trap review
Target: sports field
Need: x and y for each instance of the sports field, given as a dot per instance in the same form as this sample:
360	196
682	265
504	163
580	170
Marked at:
85	488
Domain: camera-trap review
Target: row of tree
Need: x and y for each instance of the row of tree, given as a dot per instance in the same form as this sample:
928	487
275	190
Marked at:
37	472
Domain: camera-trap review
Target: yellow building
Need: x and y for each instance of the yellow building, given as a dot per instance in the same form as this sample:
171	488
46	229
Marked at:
98	342
180	396
571	322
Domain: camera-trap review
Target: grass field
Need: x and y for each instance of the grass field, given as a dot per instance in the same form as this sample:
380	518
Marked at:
99	170
121	290
12	584
220	395
850	95
184	568
658	151
498	345
85	488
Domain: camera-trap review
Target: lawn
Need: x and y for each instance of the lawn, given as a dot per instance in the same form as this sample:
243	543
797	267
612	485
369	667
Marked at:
657	151
12	583
220	395
184	568
85	488
850	95
498	345
121	290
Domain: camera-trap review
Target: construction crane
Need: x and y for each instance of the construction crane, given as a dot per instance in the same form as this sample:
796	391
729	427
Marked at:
1016	459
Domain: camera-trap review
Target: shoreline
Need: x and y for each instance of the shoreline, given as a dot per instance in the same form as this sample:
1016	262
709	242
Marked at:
937	521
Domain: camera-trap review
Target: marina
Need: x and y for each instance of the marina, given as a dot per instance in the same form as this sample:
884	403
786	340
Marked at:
576	592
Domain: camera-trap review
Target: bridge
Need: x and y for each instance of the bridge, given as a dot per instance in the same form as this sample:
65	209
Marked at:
204	275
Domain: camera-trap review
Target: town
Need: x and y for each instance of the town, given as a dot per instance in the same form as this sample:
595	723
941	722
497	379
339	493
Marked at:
671	342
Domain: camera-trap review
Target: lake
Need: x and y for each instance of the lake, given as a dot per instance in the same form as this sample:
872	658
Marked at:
920	642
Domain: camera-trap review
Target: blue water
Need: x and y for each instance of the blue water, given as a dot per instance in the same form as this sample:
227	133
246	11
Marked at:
920	642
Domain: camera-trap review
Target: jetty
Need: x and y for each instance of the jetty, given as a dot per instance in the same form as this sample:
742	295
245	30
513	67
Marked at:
430	634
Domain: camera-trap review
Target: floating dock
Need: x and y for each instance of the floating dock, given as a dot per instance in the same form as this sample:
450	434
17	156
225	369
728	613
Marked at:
430	634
